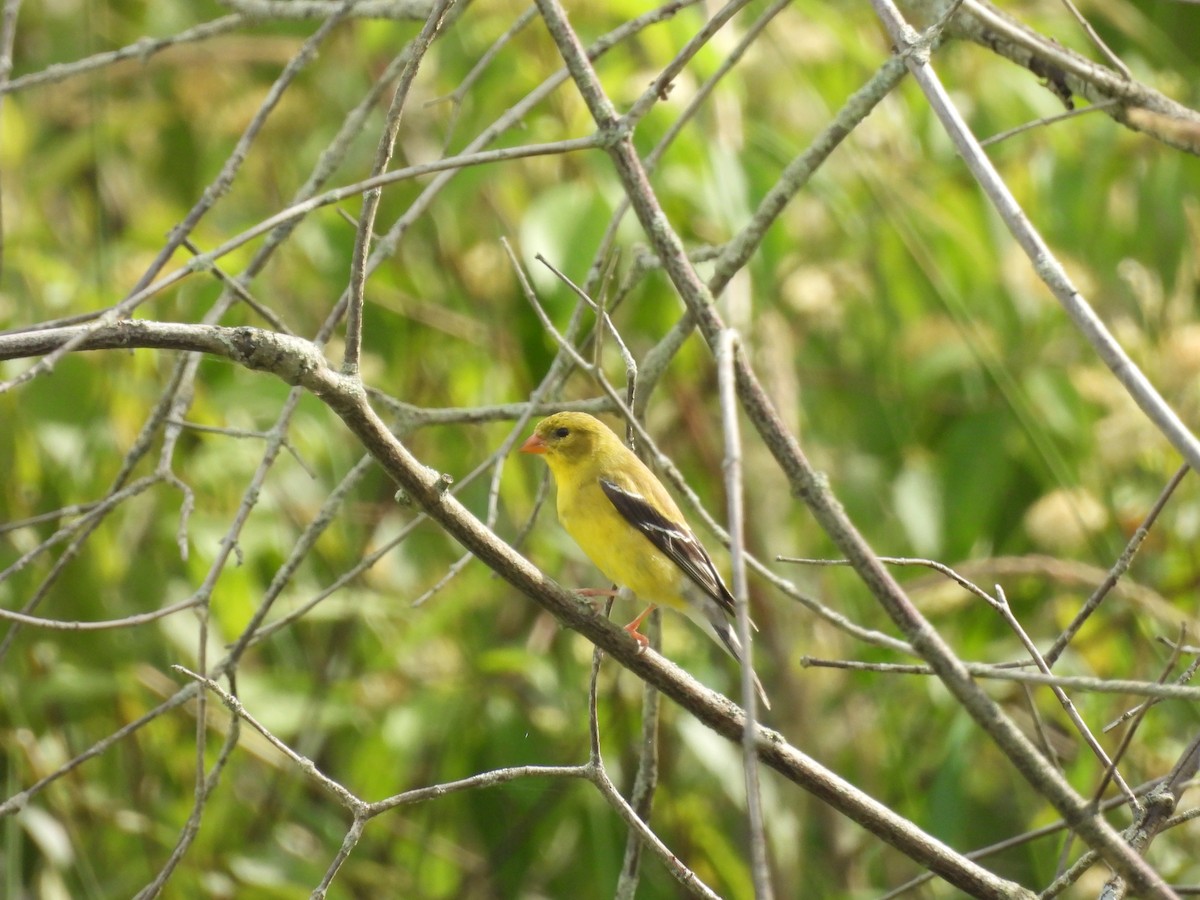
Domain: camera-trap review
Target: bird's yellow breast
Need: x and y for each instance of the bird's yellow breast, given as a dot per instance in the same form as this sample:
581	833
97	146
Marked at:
617	549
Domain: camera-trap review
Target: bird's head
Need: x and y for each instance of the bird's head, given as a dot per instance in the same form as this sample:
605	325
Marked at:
568	436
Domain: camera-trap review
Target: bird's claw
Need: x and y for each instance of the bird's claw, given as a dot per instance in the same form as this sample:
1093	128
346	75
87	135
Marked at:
642	641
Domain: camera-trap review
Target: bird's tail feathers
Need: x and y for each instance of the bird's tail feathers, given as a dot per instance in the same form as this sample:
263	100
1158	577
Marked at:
719	626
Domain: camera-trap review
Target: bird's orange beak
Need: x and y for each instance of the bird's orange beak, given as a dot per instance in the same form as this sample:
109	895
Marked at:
534	444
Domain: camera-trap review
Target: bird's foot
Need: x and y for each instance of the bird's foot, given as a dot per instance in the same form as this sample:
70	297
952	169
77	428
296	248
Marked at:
632	628
642	641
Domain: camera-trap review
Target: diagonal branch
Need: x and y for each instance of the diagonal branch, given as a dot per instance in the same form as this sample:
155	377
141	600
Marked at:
300	362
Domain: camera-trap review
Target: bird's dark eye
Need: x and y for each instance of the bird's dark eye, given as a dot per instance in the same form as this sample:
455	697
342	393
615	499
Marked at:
561	432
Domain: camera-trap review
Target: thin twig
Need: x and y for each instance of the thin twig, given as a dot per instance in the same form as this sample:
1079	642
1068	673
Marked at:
141	51
759	864
1046	121
1113	59
1001	605
383	156
1139	717
1001	673
1119	568
1184	677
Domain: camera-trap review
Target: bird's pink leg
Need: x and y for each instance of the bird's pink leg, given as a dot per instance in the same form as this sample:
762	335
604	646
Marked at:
633	626
596	592
591	595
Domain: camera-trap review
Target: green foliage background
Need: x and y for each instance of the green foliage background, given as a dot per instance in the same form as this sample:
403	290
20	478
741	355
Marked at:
956	412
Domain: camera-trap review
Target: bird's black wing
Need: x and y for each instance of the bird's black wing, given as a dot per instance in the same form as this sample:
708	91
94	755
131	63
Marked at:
674	539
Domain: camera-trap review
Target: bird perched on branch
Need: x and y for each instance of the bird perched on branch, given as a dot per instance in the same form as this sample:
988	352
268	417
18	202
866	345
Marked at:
622	517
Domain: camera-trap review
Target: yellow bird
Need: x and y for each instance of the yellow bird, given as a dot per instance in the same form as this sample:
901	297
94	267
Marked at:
622	517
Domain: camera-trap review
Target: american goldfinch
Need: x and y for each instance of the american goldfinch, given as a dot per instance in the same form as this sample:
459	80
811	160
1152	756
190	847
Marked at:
622	517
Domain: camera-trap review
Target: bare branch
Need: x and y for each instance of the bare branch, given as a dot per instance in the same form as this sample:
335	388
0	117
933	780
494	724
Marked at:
298	362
